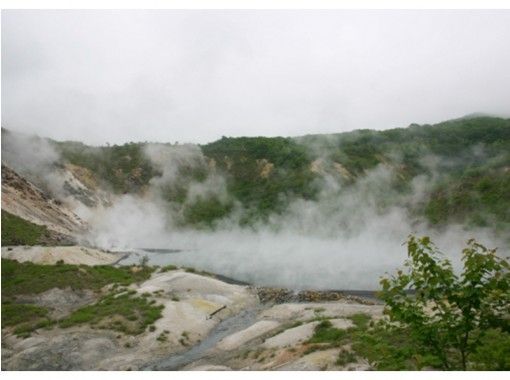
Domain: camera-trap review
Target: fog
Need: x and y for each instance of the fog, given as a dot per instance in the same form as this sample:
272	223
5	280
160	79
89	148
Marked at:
345	239
193	76
102	76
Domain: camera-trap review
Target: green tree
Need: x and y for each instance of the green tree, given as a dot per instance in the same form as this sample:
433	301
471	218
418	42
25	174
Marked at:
448	315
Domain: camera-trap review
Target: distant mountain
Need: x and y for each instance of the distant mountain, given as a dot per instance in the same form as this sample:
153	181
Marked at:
476	115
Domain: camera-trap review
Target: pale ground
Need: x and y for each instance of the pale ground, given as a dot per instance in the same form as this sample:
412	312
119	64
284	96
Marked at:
301	334
291	336
238	339
189	301
50	255
304	311
22	198
271	343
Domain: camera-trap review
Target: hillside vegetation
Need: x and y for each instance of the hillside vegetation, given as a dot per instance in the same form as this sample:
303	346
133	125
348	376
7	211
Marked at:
466	162
18	231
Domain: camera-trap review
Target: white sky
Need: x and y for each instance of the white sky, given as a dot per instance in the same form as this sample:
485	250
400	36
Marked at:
193	76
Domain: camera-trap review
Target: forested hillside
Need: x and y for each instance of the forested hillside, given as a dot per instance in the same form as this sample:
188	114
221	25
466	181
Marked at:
465	162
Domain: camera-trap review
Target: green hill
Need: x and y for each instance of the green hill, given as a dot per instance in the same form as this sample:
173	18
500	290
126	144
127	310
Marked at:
466	163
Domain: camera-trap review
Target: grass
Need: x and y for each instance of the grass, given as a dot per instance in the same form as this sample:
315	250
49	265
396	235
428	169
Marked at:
163	337
25	317
28	278
123	312
345	357
385	349
390	349
326	333
18	231
360	320
200	272
168	268
16	313
120	310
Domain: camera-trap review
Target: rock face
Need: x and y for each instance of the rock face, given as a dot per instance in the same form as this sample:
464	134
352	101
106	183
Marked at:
24	199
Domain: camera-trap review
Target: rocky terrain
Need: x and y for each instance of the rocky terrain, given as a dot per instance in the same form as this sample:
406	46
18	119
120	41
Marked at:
51	255
68	305
206	324
24	199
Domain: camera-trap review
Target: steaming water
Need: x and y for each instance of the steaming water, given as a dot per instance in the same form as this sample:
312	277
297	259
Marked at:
292	261
326	267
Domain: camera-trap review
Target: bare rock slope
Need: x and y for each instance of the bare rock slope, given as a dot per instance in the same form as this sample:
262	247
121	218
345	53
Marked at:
22	198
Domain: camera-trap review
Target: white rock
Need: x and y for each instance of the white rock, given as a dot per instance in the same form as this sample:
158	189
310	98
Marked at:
239	338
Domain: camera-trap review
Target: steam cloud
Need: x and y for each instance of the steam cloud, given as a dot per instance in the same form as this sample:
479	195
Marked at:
346	239
342	240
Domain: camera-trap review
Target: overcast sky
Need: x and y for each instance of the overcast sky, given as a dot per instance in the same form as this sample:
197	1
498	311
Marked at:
193	76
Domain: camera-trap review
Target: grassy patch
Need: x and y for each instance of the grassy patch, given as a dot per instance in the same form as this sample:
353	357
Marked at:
123	312
386	349
28	278
18	231
361	320
15	313
200	272
345	357
326	333
390	349
26	318
168	268
163	337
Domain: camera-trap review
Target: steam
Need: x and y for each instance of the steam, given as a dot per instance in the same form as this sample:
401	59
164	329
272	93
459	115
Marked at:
30	156
37	160
346	238
130	222
171	159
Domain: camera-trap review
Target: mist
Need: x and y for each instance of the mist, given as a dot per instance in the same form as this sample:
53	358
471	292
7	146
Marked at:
104	76
346	239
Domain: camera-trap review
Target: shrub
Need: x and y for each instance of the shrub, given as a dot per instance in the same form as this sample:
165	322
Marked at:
449	316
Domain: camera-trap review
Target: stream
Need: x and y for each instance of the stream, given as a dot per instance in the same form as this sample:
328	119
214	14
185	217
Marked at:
201	350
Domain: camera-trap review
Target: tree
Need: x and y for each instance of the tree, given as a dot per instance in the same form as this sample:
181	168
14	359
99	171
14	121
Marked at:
448	316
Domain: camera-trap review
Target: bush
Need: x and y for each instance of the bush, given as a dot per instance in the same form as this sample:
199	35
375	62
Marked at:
450	316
